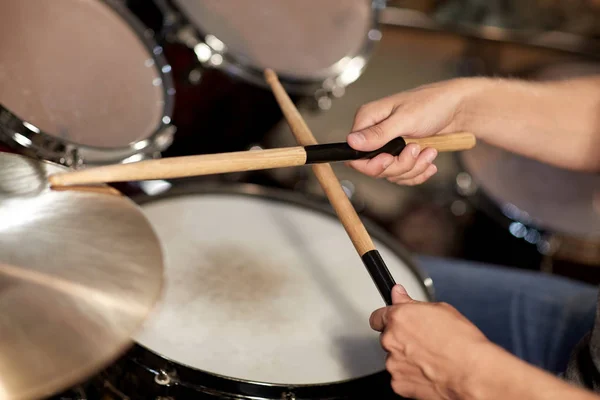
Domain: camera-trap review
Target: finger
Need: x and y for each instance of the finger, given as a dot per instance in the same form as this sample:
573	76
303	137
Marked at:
373	167
372	113
404	162
423	161
378	319
417	180
404	388
374	136
400	295
414	389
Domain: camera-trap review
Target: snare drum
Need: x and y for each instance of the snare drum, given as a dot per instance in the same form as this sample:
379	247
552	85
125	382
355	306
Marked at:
83	83
265	298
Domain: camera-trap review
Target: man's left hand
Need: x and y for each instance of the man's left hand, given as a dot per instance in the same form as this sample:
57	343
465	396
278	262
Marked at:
432	348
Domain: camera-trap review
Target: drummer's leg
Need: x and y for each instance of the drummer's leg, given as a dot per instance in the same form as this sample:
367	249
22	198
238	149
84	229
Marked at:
537	317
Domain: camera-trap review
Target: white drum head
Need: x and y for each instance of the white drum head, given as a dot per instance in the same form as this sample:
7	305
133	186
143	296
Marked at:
551	198
265	291
302	39
76	70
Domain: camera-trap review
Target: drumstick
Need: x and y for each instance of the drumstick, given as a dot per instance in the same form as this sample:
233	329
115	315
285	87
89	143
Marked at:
346	213
180	167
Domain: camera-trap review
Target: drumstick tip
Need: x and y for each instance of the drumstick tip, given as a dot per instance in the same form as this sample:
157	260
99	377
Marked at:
54	180
270	75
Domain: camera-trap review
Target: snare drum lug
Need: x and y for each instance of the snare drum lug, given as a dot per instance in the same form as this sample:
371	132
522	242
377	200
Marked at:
288	396
164	378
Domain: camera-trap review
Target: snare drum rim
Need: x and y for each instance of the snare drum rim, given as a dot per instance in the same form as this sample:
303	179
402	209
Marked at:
235	66
22	134
287	197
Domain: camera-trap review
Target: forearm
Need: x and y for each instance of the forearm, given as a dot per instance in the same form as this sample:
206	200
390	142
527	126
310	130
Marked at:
501	376
554	122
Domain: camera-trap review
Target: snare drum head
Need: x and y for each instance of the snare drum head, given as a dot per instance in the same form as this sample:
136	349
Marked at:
75	69
266	291
552	198
302	39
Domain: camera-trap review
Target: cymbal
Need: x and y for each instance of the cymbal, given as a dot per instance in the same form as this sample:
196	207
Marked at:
80	271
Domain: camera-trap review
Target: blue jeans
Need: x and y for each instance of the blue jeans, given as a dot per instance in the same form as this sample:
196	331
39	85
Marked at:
537	317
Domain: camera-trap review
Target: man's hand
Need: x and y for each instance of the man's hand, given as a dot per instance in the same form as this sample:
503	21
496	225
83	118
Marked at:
552	122
435	353
426	111
431	347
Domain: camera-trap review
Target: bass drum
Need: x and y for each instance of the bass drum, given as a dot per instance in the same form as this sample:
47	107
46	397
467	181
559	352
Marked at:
546	215
219	50
265	298
83	83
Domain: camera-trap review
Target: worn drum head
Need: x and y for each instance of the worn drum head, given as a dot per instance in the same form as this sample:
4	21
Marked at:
301	40
82	72
269	291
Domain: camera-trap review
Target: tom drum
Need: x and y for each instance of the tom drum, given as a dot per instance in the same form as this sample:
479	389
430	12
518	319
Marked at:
83	83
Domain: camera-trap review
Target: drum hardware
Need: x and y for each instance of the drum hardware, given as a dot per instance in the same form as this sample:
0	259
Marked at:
278	224
74	288
61	115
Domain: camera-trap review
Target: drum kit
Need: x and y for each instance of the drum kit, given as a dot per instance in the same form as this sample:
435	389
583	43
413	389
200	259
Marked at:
230	291
172	289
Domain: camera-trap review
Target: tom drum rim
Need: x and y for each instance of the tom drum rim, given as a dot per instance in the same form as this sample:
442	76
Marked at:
211	52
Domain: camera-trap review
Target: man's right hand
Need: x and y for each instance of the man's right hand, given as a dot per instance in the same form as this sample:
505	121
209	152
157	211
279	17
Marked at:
428	110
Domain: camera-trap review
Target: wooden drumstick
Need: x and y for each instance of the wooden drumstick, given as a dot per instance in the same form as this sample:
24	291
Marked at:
346	213
180	167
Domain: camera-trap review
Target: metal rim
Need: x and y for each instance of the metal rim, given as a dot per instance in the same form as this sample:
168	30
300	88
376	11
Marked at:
46	146
233	65
295	199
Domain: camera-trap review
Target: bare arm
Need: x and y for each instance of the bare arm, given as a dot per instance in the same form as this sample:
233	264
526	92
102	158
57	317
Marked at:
501	376
555	122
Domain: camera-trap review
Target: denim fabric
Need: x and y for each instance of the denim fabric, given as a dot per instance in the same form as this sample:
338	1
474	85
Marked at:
537	317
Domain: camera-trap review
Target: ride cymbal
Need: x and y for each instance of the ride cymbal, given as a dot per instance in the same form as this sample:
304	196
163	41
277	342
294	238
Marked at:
80	270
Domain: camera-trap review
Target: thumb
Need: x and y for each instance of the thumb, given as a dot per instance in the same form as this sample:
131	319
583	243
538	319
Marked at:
374	136
400	295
